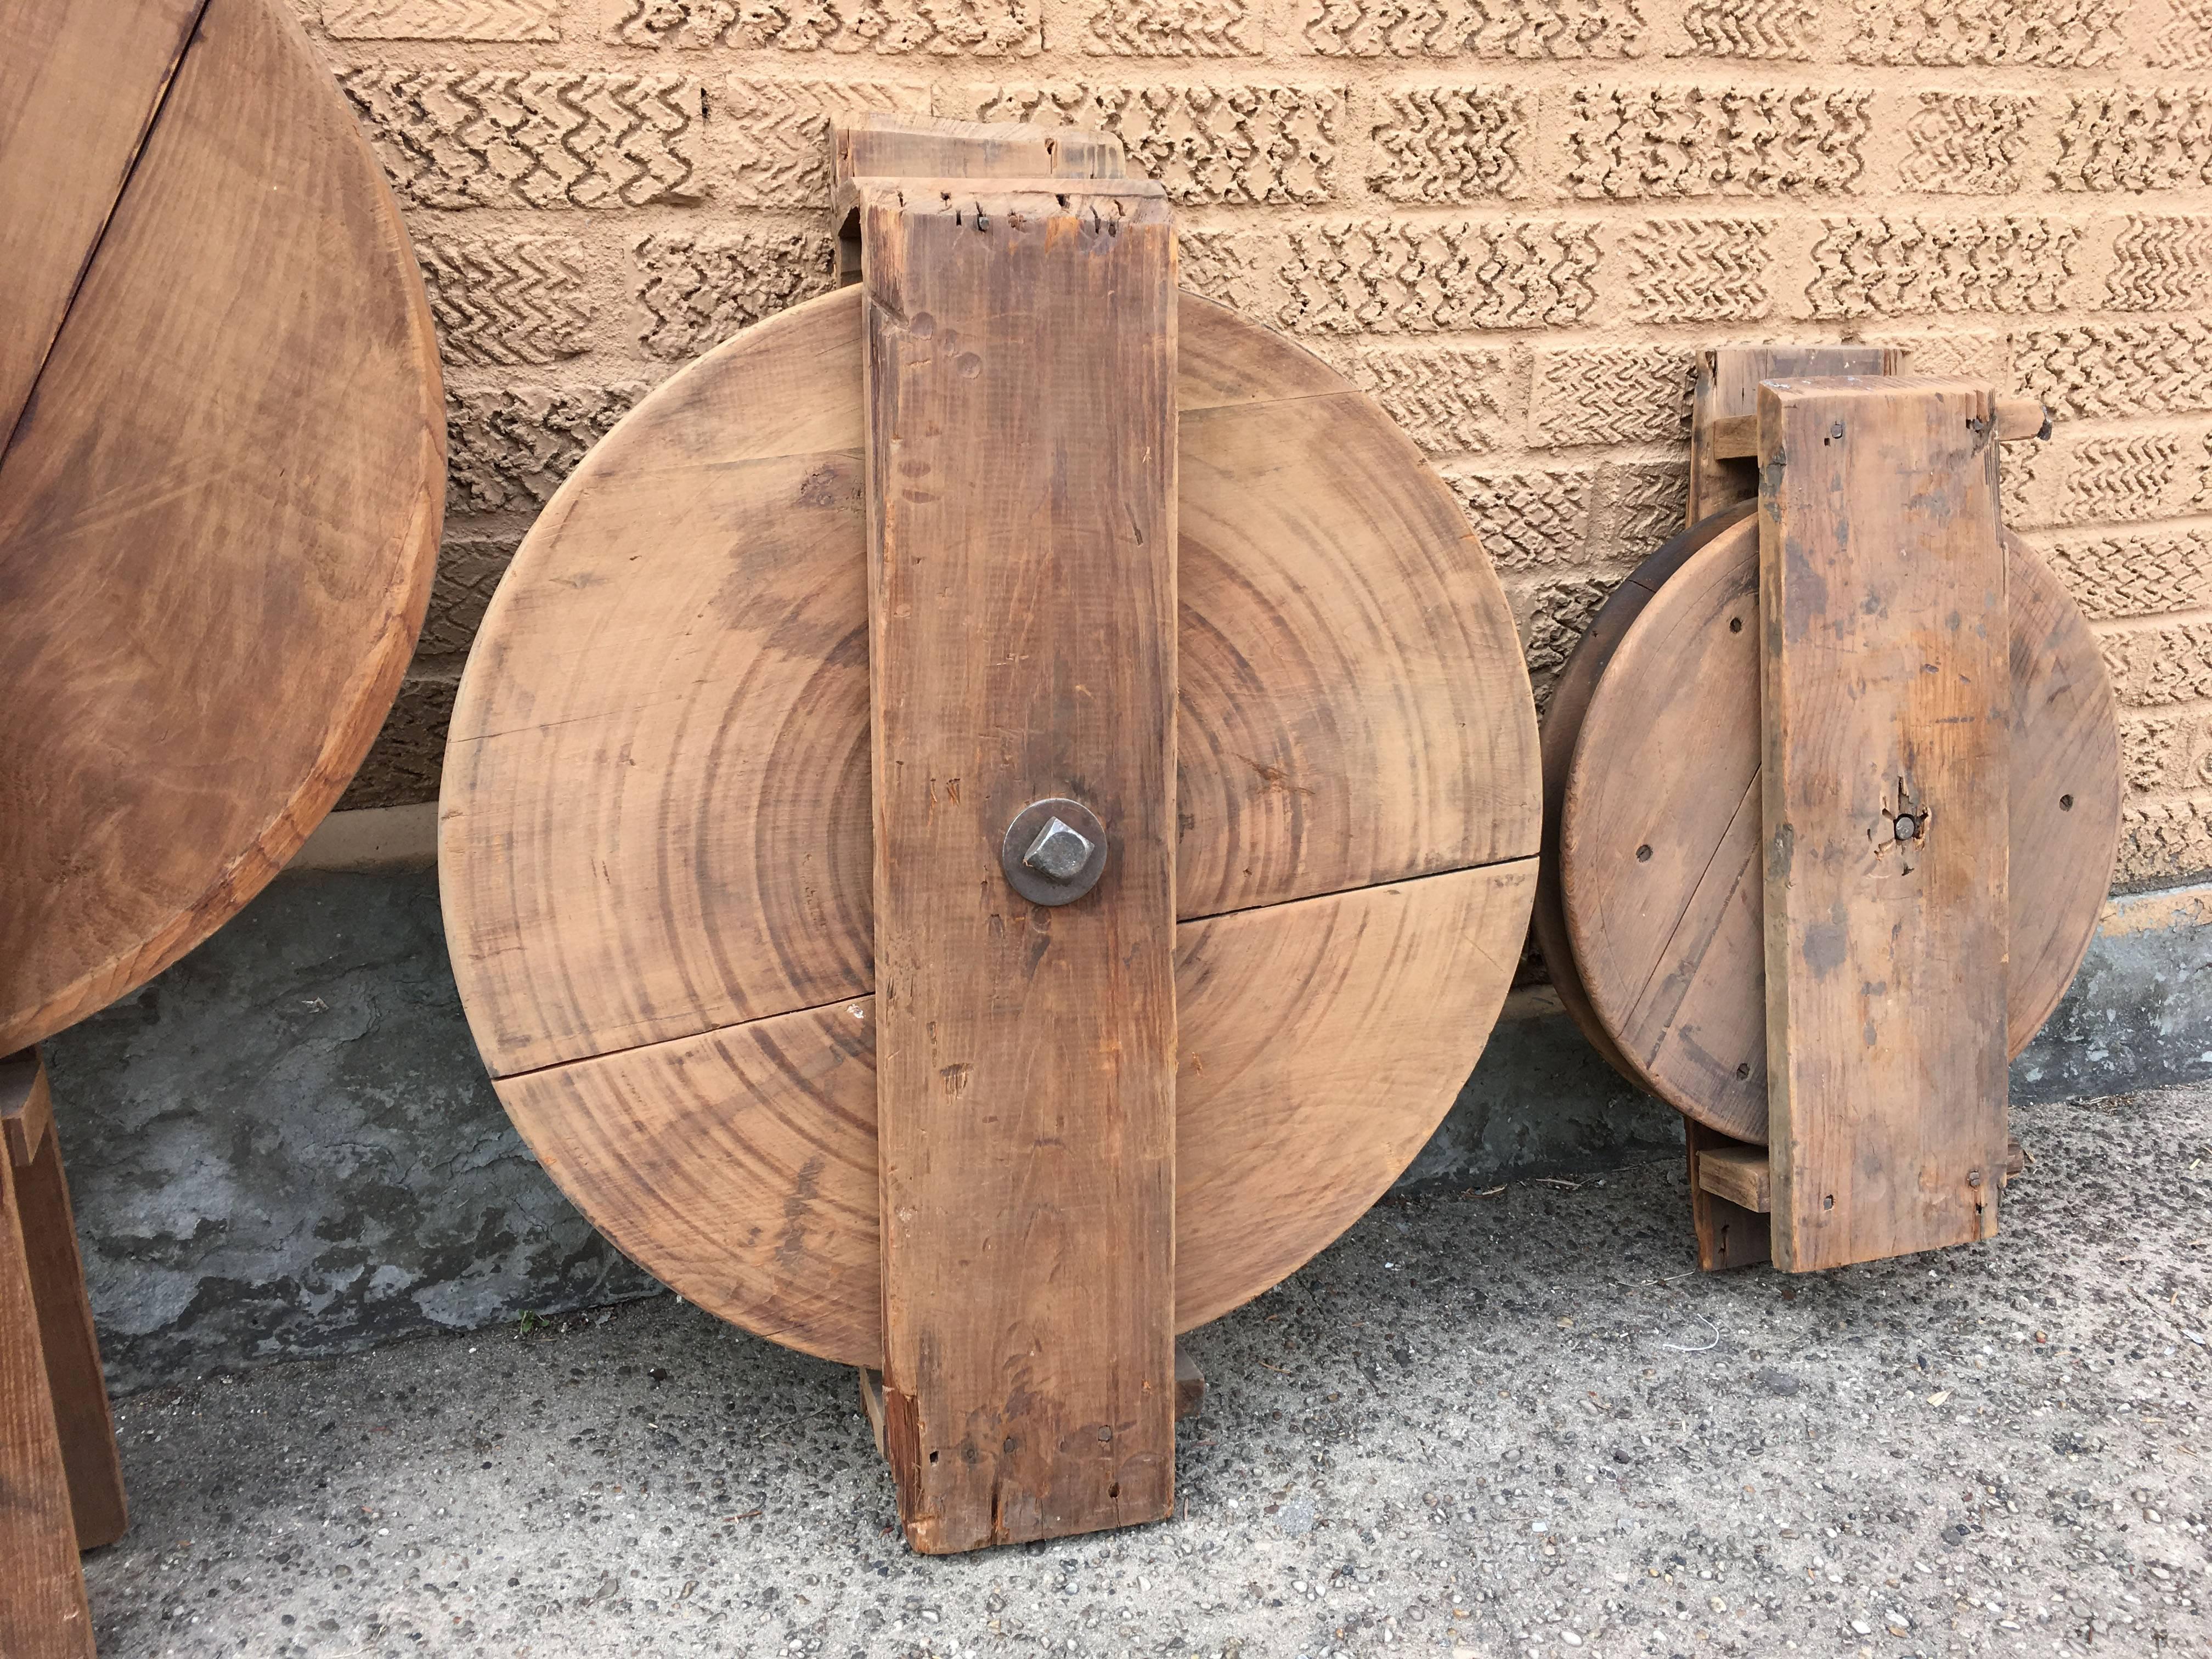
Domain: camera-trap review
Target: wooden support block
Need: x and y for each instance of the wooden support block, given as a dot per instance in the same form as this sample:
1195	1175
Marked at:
1729	1235
1886	717
884	144
1020	372
1739	1175
2018	420
26	1105
1724	409
1190	1386
43	1611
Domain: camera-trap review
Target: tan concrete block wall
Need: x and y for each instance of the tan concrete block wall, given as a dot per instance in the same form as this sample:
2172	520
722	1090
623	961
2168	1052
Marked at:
1512	220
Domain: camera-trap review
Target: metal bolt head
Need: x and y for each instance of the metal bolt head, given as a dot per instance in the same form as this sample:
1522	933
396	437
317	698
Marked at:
1059	853
1905	828
1837	430
1973	1177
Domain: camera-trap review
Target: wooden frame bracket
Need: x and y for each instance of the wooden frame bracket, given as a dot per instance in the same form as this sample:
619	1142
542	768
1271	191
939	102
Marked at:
1018	315
61	1476
1885	714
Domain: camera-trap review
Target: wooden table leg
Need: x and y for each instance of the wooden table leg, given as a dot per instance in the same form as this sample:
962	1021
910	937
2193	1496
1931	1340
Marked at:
43	1611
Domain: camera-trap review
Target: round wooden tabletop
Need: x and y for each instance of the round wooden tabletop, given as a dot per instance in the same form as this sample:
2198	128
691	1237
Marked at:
1656	860
221	483
656	839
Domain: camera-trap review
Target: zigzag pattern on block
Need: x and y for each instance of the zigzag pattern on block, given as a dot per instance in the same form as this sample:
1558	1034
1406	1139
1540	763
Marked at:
698	290
511	447
972	29
2047	33
2185	41
1530	521
1710	270
521	300
2159	665
442	20
2088	371
469	569
2143	575
780	139
1171	28
453	138
1449	145
1445	398
2109	480
2163	262
1610	395
2134	140
1754	29
1968	143
1899	266
1646	502
1392	277
1242	144
1216	263
1626	141
404	762
1567	29
1554	614
2163	840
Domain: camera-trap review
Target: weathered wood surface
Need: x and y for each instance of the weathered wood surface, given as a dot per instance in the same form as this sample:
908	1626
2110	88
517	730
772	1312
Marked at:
79	84
206	618
1729	1235
2016	419
1738	1173
1724	410
43	1611
1021	467
1665	953
1322	1042
655	818
72	1351
1885	736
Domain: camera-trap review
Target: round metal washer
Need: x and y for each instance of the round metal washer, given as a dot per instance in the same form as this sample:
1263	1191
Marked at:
1039	886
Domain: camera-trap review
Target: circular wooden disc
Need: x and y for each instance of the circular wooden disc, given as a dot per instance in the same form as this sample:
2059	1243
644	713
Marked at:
1659	819
656	848
221	493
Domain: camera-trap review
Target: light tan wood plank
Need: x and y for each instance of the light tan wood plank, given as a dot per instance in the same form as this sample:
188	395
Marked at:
1886	723
1724	410
655	817
80	82
1322	1043
1020	382
218	525
1738	1173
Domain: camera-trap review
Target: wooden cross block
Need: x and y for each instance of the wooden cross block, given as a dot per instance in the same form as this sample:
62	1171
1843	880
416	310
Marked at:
1020	375
1887	714
61	1481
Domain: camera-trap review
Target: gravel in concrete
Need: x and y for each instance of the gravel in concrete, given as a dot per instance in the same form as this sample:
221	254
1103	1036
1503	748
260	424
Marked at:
1498	1424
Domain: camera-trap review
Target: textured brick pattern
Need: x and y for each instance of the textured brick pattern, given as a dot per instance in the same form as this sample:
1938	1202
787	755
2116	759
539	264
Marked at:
442	20
1690	141
1887	267
696	291
1968	143
1698	270
520	300
1532	29
2134	575
1390	277
941	28
1512	223
510	448
779	134
1244	144
1450	145
551	139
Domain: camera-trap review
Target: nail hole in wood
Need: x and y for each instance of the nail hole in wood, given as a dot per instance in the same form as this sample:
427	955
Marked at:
1643	855
2066	803
1829	1202
1744	1070
1736	624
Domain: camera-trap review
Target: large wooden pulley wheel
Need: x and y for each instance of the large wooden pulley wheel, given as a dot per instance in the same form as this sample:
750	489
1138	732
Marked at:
656	846
223	479
1651	910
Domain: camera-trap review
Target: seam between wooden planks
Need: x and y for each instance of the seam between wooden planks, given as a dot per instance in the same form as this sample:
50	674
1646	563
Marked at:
108	220
869	991
1674	928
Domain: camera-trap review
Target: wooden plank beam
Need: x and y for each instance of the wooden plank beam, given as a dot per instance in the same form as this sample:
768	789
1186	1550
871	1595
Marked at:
1739	1175
1022	442
1725	407
1729	1235
1886	697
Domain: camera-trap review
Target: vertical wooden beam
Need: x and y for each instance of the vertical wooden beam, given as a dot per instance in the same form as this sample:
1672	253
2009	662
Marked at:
1886	719
82	1413
43	1611
1724	390
1020	375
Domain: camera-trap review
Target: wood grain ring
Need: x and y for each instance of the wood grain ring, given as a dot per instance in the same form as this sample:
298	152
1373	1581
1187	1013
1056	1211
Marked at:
655	844
1658	828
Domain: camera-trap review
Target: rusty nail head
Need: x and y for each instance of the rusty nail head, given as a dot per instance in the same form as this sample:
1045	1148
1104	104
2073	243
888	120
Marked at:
1905	827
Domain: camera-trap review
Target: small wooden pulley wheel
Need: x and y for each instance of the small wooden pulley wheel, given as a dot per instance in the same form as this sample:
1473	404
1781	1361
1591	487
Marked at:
222	481
989	820
1651	914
